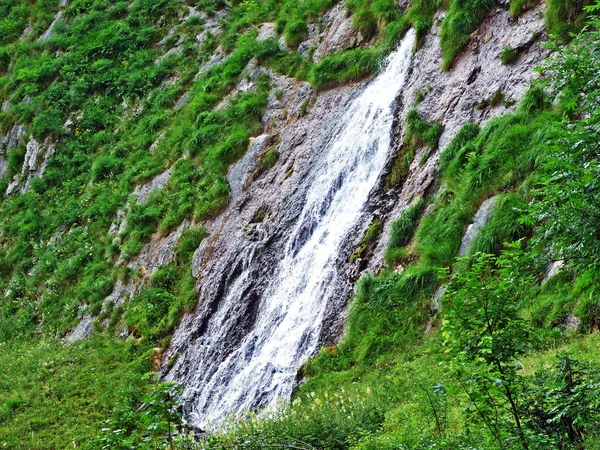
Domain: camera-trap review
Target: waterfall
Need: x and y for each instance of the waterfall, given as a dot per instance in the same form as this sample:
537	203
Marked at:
262	366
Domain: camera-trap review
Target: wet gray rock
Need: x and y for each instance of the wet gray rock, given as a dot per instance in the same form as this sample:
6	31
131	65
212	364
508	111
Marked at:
481	219
83	330
37	158
158	252
572	322
239	172
14	136
338	35
266	31
8	142
142	192
554	268
50	31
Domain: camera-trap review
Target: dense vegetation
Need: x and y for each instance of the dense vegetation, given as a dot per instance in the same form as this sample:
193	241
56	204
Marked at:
105	87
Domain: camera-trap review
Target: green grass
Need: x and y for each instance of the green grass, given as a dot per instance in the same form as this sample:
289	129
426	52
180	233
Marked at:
565	16
509	55
344	67
518	7
461	20
403	229
55	396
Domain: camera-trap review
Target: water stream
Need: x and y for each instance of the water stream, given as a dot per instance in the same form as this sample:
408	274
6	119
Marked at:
262	367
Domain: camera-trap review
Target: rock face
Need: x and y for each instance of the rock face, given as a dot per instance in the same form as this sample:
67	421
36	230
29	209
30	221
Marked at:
455	97
339	33
236	242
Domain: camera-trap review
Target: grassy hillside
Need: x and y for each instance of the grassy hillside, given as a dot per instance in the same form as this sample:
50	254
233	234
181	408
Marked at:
103	88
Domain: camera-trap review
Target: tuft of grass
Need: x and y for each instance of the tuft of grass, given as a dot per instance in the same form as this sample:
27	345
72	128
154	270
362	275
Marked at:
509	55
268	161
352	65
505	225
496	99
295	32
420	133
534	101
461	20
403	229
369	237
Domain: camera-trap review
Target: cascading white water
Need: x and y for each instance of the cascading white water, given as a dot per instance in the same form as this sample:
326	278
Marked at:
288	322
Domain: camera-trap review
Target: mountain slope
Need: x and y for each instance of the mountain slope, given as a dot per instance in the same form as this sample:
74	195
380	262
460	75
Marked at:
143	146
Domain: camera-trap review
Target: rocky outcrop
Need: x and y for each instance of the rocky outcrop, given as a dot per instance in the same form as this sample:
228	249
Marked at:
9	142
37	158
481	219
338	34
